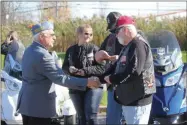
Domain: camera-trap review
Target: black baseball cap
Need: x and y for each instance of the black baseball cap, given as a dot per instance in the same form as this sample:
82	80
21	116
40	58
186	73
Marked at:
112	18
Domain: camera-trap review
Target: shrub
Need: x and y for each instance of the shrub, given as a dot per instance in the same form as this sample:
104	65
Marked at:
65	30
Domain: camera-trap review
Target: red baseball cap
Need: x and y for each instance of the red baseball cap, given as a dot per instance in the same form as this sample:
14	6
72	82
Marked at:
125	20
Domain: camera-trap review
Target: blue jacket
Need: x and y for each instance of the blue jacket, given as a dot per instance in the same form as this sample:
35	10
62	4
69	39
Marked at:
37	95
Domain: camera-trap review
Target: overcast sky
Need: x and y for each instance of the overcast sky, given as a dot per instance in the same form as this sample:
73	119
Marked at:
82	9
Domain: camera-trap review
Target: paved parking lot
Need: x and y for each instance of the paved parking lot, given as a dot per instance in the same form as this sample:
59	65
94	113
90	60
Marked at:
101	119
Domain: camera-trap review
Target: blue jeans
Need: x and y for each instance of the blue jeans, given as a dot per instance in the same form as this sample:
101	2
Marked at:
114	110
136	114
87	104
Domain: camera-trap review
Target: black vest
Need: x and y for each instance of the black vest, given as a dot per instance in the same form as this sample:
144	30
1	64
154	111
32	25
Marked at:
128	91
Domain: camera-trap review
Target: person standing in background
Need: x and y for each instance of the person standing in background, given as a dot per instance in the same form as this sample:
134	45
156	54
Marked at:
13	46
111	47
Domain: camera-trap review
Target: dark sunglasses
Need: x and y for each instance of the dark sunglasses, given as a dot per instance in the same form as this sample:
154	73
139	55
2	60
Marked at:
90	34
118	29
52	35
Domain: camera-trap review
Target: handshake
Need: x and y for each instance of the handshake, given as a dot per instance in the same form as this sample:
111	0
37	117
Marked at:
93	82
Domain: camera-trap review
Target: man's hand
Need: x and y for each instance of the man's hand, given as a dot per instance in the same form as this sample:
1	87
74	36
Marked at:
101	56
113	58
93	82
107	79
8	39
150	82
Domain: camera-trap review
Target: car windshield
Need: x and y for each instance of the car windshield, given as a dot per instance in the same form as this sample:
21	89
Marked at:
165	49
163	39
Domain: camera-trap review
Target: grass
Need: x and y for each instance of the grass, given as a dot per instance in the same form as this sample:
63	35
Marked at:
104	99
184	56
61	55
2	61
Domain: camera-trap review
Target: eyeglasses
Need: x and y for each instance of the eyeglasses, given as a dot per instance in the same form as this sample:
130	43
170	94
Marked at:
118	29
90	34
52	35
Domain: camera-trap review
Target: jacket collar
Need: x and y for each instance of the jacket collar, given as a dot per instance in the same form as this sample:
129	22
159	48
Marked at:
39	44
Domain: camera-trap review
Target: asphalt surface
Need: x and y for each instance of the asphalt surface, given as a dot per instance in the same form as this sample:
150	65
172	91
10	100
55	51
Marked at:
101	120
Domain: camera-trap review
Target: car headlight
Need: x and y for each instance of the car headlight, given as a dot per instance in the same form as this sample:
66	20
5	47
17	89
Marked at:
172	80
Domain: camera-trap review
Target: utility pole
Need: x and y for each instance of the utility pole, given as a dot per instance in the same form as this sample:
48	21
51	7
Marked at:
56	9
103	5
157	7
138	12
13	14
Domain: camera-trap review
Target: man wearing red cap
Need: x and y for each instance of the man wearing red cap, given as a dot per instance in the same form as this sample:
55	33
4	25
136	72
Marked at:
132	74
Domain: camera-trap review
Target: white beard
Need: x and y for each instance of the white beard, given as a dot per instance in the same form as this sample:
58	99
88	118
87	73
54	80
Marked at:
121	40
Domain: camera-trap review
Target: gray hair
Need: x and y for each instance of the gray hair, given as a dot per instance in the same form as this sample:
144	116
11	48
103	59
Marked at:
132	29
36	36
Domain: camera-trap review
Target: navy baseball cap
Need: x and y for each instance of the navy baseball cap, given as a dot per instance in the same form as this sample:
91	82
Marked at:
112	18
47	25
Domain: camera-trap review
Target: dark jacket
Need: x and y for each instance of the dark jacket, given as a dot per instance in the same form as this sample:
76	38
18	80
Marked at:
130	66
40	72
112	47
15	48
111	39
82	57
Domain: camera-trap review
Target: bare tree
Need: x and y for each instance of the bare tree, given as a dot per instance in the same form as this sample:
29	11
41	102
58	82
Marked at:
103	6
56	10
9	11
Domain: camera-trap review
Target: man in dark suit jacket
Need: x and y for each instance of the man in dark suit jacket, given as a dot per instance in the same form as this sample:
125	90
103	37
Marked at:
36	101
